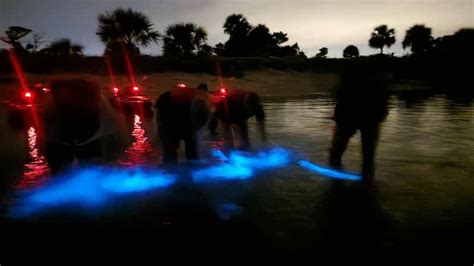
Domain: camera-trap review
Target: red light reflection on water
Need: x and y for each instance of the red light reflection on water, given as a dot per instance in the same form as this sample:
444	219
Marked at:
36	169
138	150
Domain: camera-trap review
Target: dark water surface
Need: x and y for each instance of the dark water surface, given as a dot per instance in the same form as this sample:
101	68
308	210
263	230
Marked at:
422	198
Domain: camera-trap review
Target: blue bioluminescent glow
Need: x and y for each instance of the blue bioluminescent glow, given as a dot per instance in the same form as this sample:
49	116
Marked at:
218	154
222	172
93	186
241	165
274	158
90	187
228	210
137	180
328	172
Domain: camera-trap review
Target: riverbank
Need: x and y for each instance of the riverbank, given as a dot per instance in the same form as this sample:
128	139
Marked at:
264	82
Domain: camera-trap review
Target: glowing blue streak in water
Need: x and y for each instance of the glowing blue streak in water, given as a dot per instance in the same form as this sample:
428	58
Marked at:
218	154
241	165
328	172
274	158
91	187
222	172
122	181
81	186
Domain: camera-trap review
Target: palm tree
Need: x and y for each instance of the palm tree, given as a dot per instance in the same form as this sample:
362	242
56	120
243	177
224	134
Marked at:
238	29
237	25
382	36
350	51
185	40
419	39
127	27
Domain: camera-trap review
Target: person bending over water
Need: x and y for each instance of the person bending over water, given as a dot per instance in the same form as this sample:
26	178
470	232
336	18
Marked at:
181	112
233	108
77	123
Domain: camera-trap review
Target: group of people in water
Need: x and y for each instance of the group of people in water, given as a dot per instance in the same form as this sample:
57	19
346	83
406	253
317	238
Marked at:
182	112
78	122
77	125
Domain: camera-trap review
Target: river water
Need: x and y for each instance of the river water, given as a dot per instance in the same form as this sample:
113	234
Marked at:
424	174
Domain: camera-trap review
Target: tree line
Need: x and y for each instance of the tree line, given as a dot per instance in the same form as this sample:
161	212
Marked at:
130	30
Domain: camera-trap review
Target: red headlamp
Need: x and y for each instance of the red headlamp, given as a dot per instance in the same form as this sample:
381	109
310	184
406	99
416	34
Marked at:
222	91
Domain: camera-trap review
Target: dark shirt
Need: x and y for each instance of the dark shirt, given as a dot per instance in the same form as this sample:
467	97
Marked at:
362	98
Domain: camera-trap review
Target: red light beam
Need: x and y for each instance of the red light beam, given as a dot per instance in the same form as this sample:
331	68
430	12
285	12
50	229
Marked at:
129	65
111	72
18	70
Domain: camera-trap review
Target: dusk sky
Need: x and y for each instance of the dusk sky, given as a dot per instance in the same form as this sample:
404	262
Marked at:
313	24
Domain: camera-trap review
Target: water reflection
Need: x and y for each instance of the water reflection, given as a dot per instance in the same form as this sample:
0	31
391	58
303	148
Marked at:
432	132
36	169
424	174
351	218
137	152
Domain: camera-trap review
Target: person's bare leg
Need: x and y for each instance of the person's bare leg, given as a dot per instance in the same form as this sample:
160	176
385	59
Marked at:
244	135
170	143
226	131
370	137
191	146
340	138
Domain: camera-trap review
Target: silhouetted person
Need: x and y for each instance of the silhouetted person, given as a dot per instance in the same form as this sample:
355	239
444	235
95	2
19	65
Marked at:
75	123
181	112
232	110
361	105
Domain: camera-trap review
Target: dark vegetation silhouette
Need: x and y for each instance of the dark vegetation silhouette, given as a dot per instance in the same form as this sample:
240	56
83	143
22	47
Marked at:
350	51
63	47
382	36
246	40
36	44
123	31
126	27
323	52
185	40
418	38
13	35
444	61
